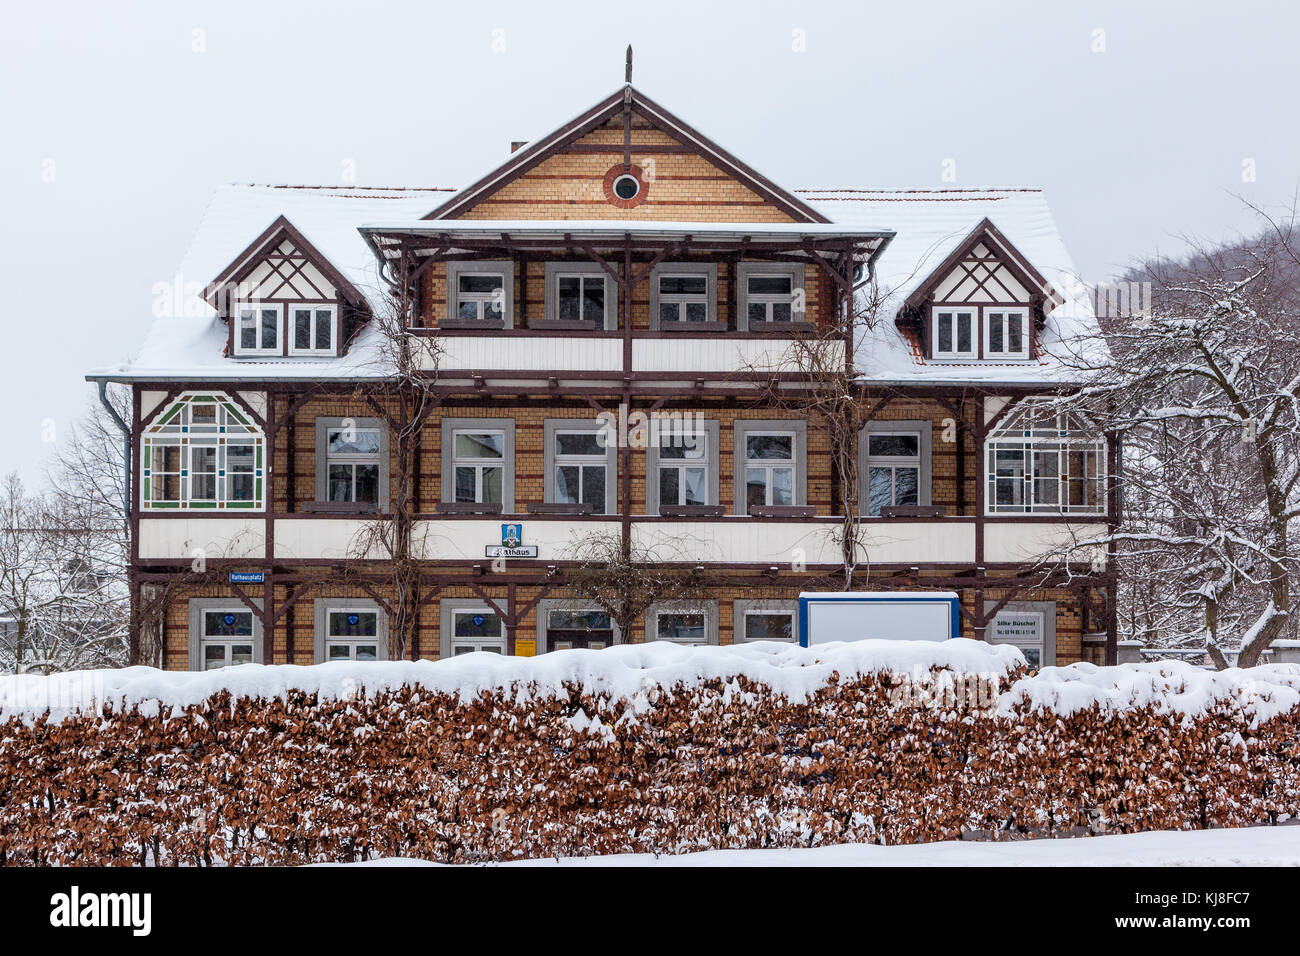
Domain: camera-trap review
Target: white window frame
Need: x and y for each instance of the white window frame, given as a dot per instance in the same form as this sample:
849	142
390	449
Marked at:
599	459
351	642
701	449
173	428
354	459
768	465
237	317
768	300
893	462
956	310
682	299
1038	441
481	299
291	328
1005	312
479	464
477	643
205	642
599	279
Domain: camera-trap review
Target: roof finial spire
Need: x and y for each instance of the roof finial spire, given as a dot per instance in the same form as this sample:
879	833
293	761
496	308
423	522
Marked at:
628	76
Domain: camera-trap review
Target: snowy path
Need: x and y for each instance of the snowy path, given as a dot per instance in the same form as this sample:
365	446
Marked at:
1253	846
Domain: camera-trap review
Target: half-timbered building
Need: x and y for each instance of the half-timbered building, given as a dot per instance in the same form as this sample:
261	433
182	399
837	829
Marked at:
371	411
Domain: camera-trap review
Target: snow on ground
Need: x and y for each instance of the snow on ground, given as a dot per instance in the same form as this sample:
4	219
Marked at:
1248	846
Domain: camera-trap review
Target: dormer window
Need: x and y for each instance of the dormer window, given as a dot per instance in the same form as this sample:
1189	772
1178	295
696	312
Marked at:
953	333
257	331
1006	333
313	329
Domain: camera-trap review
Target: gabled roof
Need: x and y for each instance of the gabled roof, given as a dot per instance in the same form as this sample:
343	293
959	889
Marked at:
613	105
987	233
930	224
271	238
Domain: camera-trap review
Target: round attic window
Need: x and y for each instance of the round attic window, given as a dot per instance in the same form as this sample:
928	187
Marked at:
626	187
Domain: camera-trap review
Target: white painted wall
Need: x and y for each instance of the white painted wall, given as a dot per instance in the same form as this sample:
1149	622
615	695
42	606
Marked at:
530	353
215	537
781	543
1018	542
334	538
466	539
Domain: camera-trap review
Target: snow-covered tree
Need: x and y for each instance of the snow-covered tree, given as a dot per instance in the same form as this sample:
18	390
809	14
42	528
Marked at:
1205	389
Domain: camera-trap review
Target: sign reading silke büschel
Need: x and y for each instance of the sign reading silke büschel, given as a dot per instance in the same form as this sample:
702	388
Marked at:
1024	629
511	546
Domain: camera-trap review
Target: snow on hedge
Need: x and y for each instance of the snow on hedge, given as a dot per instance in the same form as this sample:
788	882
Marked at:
626	672
621	672
1171	686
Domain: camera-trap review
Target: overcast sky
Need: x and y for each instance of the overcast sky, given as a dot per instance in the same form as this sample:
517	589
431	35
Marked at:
119	120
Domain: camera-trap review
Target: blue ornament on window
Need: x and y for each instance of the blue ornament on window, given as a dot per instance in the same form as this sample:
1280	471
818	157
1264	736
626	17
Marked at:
352	619
478	620
229	619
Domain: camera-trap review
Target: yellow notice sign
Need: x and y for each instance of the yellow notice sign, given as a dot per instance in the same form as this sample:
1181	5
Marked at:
525	648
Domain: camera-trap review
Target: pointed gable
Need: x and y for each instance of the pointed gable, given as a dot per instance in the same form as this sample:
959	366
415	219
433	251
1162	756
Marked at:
573	173
985	268
281	264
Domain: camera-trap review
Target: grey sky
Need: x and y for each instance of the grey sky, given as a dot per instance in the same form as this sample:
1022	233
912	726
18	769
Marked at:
1137	145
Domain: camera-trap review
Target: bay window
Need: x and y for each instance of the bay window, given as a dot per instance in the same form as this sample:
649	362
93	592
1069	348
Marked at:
201	452
1044	462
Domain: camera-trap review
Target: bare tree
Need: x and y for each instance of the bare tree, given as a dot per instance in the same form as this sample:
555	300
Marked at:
403	395
624	581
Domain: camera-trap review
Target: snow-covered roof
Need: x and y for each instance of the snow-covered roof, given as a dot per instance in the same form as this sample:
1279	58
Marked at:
929	225
187	343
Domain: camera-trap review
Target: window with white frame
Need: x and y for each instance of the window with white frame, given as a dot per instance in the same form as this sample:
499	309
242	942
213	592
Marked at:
1006	333
581	468
1040	461
893	469
953	333
478	465
580	297
477	629
683	467
480	296
760	624
683	297
352	634
770	297
201	452
312	329
769	468
682	626
257	328
226	638
352	461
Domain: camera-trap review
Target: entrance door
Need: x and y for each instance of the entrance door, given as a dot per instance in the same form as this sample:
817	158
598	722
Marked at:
566	630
